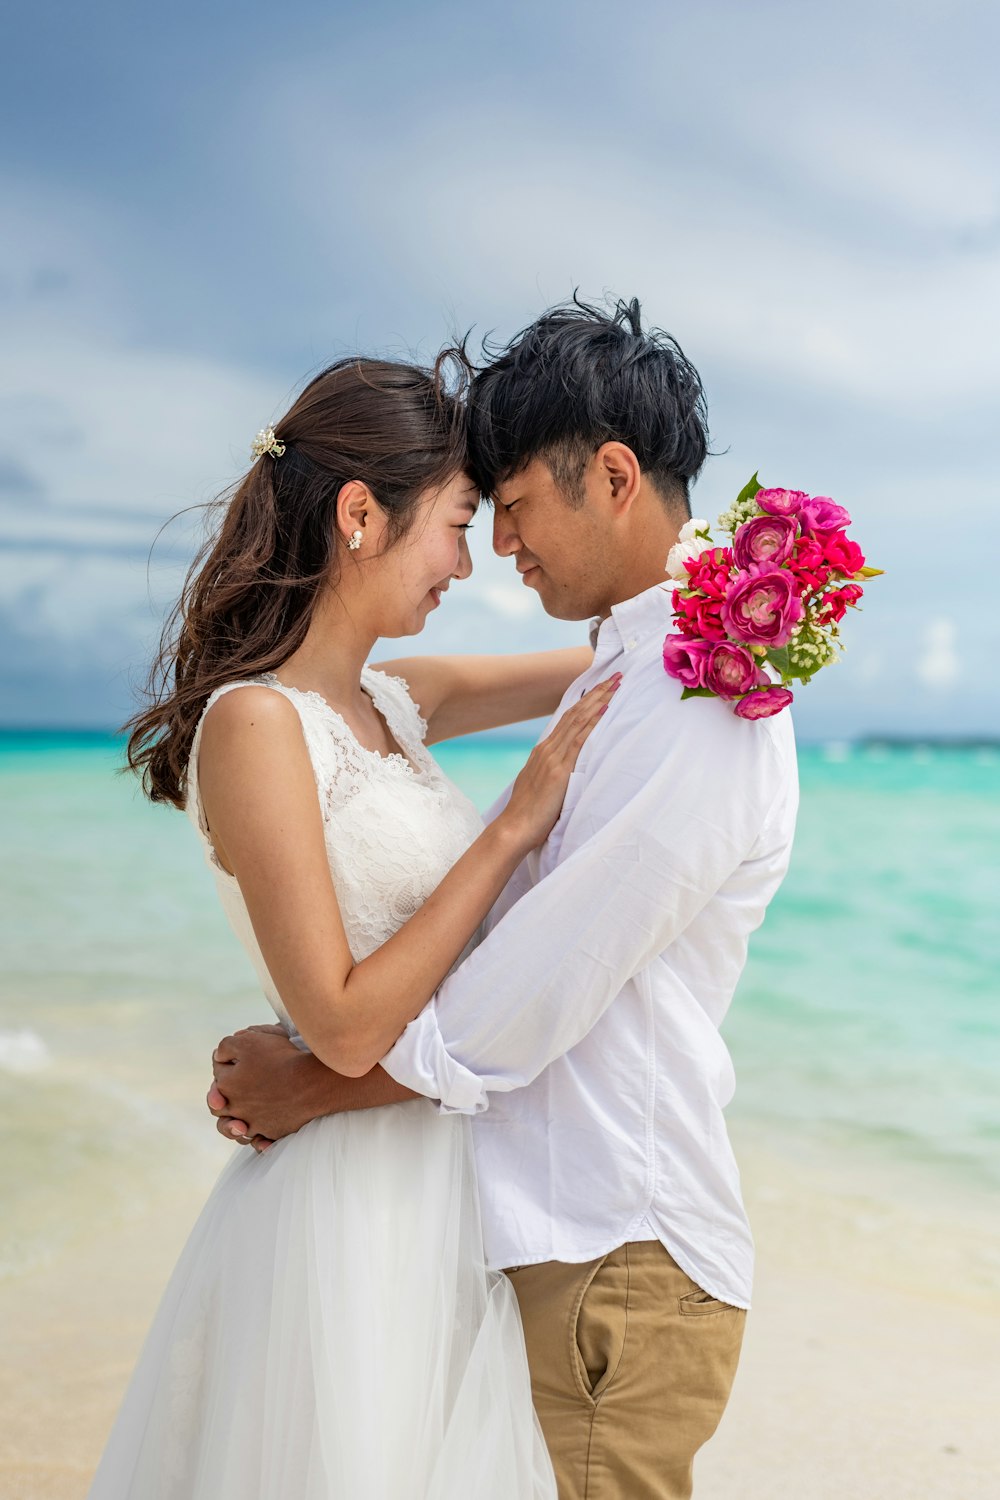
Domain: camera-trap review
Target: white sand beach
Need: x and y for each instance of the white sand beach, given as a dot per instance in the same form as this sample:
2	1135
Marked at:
870	1370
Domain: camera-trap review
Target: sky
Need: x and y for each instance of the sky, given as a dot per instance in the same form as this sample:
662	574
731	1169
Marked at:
203	205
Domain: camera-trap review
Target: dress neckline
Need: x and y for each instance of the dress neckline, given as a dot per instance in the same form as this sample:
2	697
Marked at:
394	758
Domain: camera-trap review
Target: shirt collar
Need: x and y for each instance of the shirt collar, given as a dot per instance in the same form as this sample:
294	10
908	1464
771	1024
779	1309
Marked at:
632	622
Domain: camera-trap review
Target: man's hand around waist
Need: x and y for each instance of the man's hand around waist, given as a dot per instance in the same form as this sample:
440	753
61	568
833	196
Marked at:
266	1088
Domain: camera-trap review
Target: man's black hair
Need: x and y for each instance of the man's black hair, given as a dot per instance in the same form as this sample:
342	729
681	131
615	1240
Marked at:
581	376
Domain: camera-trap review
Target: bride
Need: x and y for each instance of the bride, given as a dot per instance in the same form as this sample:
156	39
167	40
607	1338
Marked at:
330	1329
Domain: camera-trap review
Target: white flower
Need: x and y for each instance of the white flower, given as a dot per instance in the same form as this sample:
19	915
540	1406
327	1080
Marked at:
738	512
679	553
690	529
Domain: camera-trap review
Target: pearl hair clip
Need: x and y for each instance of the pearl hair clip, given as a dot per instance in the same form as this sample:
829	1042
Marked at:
266	442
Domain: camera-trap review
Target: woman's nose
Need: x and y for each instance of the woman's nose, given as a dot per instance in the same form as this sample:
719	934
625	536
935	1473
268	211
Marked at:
464	559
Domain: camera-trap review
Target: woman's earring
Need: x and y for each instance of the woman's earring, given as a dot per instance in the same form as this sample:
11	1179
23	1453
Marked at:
357	537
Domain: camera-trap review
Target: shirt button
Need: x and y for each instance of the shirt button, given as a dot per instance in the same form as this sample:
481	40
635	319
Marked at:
630	645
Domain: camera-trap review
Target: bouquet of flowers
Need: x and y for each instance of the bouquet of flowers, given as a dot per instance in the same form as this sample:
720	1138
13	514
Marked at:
763	610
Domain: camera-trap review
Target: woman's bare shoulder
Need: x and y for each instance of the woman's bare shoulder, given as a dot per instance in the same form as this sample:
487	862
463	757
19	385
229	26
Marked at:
249	705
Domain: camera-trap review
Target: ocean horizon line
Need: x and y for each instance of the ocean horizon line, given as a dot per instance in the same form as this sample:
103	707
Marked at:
516	735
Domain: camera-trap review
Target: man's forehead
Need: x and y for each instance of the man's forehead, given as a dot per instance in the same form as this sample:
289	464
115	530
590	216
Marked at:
533	476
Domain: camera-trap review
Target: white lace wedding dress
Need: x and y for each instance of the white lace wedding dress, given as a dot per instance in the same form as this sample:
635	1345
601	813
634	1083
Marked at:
330	1331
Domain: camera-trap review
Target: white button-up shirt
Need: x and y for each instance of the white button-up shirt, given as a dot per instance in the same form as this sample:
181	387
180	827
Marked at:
583	1031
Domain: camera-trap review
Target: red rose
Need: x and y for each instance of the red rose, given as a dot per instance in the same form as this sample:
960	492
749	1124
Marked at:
710	573
841	554
698	617
807	564
837	602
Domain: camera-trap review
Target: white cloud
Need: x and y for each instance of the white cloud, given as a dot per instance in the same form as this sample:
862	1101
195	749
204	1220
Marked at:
145	430
513	600
83	607
932	182
95	414
773	278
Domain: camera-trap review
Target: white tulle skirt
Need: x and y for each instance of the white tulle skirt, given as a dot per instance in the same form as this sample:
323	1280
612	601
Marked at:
331	1333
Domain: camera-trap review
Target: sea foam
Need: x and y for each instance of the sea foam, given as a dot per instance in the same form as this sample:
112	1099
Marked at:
23	1051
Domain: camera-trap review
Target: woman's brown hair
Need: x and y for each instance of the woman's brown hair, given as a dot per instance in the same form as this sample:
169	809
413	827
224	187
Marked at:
249	595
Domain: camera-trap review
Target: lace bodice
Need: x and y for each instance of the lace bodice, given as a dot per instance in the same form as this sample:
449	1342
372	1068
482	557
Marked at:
393	825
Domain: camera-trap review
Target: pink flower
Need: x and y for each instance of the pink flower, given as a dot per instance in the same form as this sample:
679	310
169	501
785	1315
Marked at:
698	617
781	502
762	606
819	513
732	670
686	659
763	703
764	539
841	554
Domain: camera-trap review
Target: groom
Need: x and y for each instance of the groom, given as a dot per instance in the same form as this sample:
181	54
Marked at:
583	1033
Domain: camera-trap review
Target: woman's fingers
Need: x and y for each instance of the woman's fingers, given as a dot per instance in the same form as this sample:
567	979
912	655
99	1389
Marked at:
216	1100
588	707
577	722
539	791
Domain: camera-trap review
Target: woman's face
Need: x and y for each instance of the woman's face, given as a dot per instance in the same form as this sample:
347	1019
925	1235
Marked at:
420	567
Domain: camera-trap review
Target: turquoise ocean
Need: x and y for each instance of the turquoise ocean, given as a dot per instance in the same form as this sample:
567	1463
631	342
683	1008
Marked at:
866	1027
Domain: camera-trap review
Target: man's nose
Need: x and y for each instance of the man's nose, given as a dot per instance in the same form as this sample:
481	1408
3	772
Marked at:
505	538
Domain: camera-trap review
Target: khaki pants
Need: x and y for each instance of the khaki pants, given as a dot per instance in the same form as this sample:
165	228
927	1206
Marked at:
631	1368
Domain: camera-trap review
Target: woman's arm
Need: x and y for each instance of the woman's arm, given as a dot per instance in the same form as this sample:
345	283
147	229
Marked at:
460	694
259	796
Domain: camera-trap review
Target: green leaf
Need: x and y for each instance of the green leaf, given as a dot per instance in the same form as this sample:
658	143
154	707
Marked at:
749	489
697	693
778	657
870	573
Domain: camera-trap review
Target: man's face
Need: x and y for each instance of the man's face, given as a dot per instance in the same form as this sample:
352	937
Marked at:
561	550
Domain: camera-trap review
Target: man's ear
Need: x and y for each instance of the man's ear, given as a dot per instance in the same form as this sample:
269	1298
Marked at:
618	475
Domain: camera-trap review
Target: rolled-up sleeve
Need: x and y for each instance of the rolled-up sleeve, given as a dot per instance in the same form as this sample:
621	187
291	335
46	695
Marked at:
662	821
